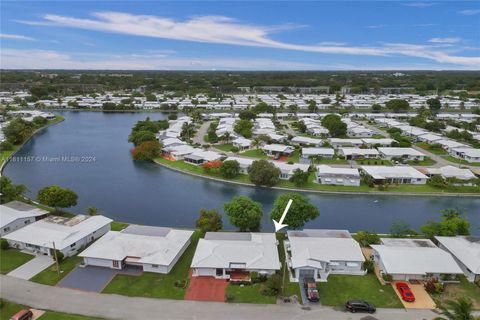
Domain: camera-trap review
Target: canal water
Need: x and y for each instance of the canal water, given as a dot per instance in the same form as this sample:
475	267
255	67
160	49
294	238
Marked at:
89	153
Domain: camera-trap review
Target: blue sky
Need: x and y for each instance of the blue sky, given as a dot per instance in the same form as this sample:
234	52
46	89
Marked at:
248	35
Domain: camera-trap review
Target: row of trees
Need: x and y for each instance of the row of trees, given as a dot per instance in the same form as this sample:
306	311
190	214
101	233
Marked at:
143	136
246	214
19	130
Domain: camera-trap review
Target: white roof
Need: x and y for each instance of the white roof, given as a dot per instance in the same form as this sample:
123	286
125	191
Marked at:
400	152
358	151
206	155
277	148
151	245
241	141
416	260
44	232
307	140
289	168
308	250
244	162
465	249
470	152
345	141
317	151
451	171
9	212
221	249
383	141
386	172
323	169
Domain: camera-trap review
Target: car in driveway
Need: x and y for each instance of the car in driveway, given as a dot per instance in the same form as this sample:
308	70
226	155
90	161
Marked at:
311	290
22	315
359	306
405	291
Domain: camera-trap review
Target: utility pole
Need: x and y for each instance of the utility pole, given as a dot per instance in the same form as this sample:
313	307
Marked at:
56	258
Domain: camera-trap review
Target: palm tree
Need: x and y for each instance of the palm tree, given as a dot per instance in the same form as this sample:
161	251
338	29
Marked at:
188	129
460	309
257	142
226	137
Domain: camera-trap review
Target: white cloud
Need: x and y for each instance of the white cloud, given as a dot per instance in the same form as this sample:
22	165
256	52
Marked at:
445	40
225	30
469	12
15	37
419	4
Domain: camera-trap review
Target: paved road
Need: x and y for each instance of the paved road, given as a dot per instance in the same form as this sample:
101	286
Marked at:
32	267
120	307
198	138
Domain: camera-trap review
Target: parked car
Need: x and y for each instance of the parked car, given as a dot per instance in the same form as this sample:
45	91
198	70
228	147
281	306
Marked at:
22	315
405	291
359	306
311	289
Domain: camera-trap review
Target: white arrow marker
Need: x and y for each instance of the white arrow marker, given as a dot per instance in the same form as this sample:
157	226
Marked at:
279	225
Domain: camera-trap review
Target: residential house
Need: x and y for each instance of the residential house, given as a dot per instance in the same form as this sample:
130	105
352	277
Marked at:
309	154
467	154
242	143
401	153
358	153
277	150
395	175
448	172
199	157
466	251
338	176
306	141
15	215
339	142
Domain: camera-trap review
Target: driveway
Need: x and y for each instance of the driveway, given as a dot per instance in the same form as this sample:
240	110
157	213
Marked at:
92	278
422	298
32	267
206	289
198	138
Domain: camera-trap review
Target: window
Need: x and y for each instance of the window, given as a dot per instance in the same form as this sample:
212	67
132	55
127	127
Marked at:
154	265
115	264
6	229
27	221
73	245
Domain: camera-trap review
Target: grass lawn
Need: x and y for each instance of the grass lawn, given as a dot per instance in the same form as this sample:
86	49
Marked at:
425	162
295	156
118	226
372	162
378	136
463	289
249	294
255	153
8	309
428	147
50	276
341	288
156	285
11	259
290	288
460	161
51	315
227	147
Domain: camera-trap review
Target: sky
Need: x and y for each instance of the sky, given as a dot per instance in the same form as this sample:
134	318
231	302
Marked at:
240	35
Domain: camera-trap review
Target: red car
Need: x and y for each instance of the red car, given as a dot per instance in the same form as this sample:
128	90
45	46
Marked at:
405	292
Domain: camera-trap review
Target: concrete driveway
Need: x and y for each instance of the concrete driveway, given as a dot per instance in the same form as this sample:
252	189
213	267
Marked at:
92	278
206	289
422	298
32	267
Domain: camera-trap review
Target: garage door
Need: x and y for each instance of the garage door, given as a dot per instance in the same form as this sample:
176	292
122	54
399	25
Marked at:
307	273
205	272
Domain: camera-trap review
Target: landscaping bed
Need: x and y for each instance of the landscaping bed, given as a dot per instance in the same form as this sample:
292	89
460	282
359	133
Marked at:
463	289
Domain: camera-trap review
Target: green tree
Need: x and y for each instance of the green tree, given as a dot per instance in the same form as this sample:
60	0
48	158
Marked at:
460	309
244	128
230	169
437	181
263	107
39	121
301	211
366	238
376	108
452	224
312	106
400	229
57	197
209	220
336	127
92	211
10	191
146	151
244	213
139	137
6	146
263	173
398	105
188	130
434	104
18	130
299	177
247	115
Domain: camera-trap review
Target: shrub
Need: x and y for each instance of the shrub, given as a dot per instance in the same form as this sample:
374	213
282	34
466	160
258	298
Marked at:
180	283
272	286
387	277
4	244
229	297
369	265
366	238
234	149
6	146
257	278
432	286
60	256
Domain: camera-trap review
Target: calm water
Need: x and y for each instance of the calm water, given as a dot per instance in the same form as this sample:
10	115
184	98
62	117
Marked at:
145	193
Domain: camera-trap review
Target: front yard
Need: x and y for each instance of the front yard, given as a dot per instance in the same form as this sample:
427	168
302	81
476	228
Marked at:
341	288
11	259
50	276
156	285
254	153
463	289
248	294
460	161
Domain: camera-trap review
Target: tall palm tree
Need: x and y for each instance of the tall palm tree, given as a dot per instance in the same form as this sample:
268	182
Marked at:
460	309
257	142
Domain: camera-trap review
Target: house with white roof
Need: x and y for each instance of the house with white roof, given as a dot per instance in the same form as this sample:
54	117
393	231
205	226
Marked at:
318	253
466	251
429	138
234	255
449	171
15	215
287	170
309	154
340	142
154	249
359	132
68	235
356	153
395	175
467	154
414	259
337	176
242	143
403	153
178	152
448	144
384	142
243	162
199	157
306	141
277	150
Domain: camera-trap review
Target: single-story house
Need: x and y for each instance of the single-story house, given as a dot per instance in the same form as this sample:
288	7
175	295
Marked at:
178	152
466	251
234	255
242	143
359	132
68	235
467	154
404	153
395	175
287	170
277	137
277	150
319	253
155	249
340	142
414	259
385	142
172	142
244	163
356	153
448	145
338	176
319	153
451	172
429	138
199	157
306	141
15	215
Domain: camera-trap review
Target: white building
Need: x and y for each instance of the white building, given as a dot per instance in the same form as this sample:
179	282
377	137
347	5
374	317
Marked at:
308	154
155	249
15	215
340	142
277	150
395	175
234	255
414	259
467	154
306	141
356	153
287	170
385	142
466	251
63	234
319	253
447	172
242	144
338	176
199	157
403	153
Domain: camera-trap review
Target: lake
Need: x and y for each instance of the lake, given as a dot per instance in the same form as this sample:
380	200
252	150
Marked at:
145	193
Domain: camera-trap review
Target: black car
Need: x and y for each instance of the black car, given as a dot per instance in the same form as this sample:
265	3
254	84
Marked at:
359	306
